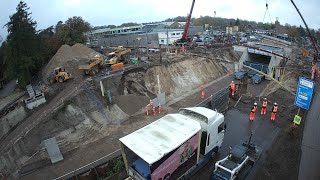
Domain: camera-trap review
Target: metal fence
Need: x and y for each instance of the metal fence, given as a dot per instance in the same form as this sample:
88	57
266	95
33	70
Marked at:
218	101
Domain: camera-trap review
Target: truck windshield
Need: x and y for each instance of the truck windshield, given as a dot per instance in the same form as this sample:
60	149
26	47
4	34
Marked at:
194	115
111	56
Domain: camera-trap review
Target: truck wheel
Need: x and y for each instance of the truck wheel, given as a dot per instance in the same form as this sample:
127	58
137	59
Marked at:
167	176
60	79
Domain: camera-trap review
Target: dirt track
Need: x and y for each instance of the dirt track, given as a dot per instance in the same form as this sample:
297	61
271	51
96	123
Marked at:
40	115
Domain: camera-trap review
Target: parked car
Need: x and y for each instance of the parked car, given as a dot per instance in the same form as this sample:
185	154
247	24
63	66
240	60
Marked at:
240	74
251	73
257	78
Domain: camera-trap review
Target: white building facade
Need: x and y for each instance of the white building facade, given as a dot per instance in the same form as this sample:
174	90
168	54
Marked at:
169	37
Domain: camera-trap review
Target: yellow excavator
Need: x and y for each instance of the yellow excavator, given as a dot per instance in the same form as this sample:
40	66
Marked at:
117	56
95	63
59	75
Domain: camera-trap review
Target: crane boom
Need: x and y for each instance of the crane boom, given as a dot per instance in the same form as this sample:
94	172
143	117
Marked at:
186	27
309	34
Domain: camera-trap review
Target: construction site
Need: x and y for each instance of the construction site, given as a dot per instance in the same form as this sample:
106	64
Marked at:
124	112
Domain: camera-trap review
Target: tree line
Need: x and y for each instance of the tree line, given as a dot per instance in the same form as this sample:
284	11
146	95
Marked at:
26	50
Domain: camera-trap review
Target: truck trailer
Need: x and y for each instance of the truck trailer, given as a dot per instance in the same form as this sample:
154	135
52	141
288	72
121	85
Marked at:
175	146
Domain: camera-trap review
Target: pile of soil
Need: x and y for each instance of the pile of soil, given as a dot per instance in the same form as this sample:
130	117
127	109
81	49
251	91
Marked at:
69	57
131	104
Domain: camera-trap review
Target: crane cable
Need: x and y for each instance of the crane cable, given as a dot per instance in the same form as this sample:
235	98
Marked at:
267	10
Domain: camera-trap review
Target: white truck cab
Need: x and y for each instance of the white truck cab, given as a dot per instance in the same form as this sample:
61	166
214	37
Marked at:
212	127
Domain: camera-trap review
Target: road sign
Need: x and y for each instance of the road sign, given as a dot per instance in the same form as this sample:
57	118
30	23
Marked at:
297	119
304	93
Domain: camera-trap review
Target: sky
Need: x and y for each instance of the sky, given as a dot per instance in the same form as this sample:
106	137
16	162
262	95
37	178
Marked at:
105	12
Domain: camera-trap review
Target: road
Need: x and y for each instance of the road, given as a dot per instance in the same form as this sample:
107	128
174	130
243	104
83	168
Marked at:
238	126
310	157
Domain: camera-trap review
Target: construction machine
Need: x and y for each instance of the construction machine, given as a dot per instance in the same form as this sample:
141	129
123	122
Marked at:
59	75
184	38
117	56
95	63
238	163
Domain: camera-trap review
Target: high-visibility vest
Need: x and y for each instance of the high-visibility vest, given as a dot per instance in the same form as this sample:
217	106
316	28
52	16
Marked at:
275	109
264	104
232	85
314	68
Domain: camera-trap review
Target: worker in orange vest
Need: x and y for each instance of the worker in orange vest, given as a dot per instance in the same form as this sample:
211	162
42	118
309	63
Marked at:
313	70
154	110
232	88
202	94
274	111
253	111
147	110
159	108
264	106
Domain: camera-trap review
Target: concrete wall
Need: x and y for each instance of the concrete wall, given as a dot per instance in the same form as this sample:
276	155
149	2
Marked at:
130	40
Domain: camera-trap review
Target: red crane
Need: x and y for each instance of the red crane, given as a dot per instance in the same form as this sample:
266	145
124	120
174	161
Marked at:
186	27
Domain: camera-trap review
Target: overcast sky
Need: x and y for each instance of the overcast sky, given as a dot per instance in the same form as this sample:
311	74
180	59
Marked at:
104	12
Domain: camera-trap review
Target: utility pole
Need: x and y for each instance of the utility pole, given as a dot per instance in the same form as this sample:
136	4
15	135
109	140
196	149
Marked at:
160	54
167	48
147	45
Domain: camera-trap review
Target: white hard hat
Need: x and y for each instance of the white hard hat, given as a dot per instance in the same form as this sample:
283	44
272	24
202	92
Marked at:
275	103
232	81
255	104
265	99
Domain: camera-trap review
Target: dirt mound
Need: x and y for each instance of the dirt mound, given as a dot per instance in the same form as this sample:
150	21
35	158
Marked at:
130	104
69	58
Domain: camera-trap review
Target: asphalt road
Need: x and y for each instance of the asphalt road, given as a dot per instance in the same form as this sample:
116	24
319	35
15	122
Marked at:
238	130
310	158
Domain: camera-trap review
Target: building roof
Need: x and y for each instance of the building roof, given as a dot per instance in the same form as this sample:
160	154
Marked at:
113	29
159	138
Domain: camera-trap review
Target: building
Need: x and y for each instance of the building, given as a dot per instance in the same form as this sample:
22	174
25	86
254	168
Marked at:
169	36
105	32
151	35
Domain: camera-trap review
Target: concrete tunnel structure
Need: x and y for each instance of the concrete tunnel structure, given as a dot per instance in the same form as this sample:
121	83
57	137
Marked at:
261	60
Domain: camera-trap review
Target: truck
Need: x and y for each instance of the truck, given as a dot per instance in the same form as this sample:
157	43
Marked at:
95	63
238	163
117	56
175	146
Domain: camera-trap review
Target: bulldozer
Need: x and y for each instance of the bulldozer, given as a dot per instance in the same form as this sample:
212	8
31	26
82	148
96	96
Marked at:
59	75
117	56
95	63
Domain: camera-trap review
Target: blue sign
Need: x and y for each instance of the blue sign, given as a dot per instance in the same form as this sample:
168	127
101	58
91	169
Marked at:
304	93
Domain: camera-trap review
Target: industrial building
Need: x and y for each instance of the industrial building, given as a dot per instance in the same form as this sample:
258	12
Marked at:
143	35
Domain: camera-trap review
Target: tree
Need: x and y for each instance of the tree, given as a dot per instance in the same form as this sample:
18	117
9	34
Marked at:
128	24
237	23
71	32
292	32
22	52
302	32
2	54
